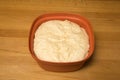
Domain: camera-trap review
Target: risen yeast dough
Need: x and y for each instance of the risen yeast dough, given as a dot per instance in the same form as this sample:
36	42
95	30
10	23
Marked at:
61	41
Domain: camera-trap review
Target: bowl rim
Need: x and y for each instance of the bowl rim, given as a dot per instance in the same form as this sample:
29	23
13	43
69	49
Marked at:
52	16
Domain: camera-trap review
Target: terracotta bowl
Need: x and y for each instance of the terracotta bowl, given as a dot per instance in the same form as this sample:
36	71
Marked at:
61	66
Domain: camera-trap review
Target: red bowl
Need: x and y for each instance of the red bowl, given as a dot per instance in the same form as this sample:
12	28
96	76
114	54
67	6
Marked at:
61	66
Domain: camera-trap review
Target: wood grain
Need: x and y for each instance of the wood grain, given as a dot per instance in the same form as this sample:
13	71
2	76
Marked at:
16	17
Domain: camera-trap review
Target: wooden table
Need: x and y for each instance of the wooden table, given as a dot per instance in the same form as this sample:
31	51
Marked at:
16	17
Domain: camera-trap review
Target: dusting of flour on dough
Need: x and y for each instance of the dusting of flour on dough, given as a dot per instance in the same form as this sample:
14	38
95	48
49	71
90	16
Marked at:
61	41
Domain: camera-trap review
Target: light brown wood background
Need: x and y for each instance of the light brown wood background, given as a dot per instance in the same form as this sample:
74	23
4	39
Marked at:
16	17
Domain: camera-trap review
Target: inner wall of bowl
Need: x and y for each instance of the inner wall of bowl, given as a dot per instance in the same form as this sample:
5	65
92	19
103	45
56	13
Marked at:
80	21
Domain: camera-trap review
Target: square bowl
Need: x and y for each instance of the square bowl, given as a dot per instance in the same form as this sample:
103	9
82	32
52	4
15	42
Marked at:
61	66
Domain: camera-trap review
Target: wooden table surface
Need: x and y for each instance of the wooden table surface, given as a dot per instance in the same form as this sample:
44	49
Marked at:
16	17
